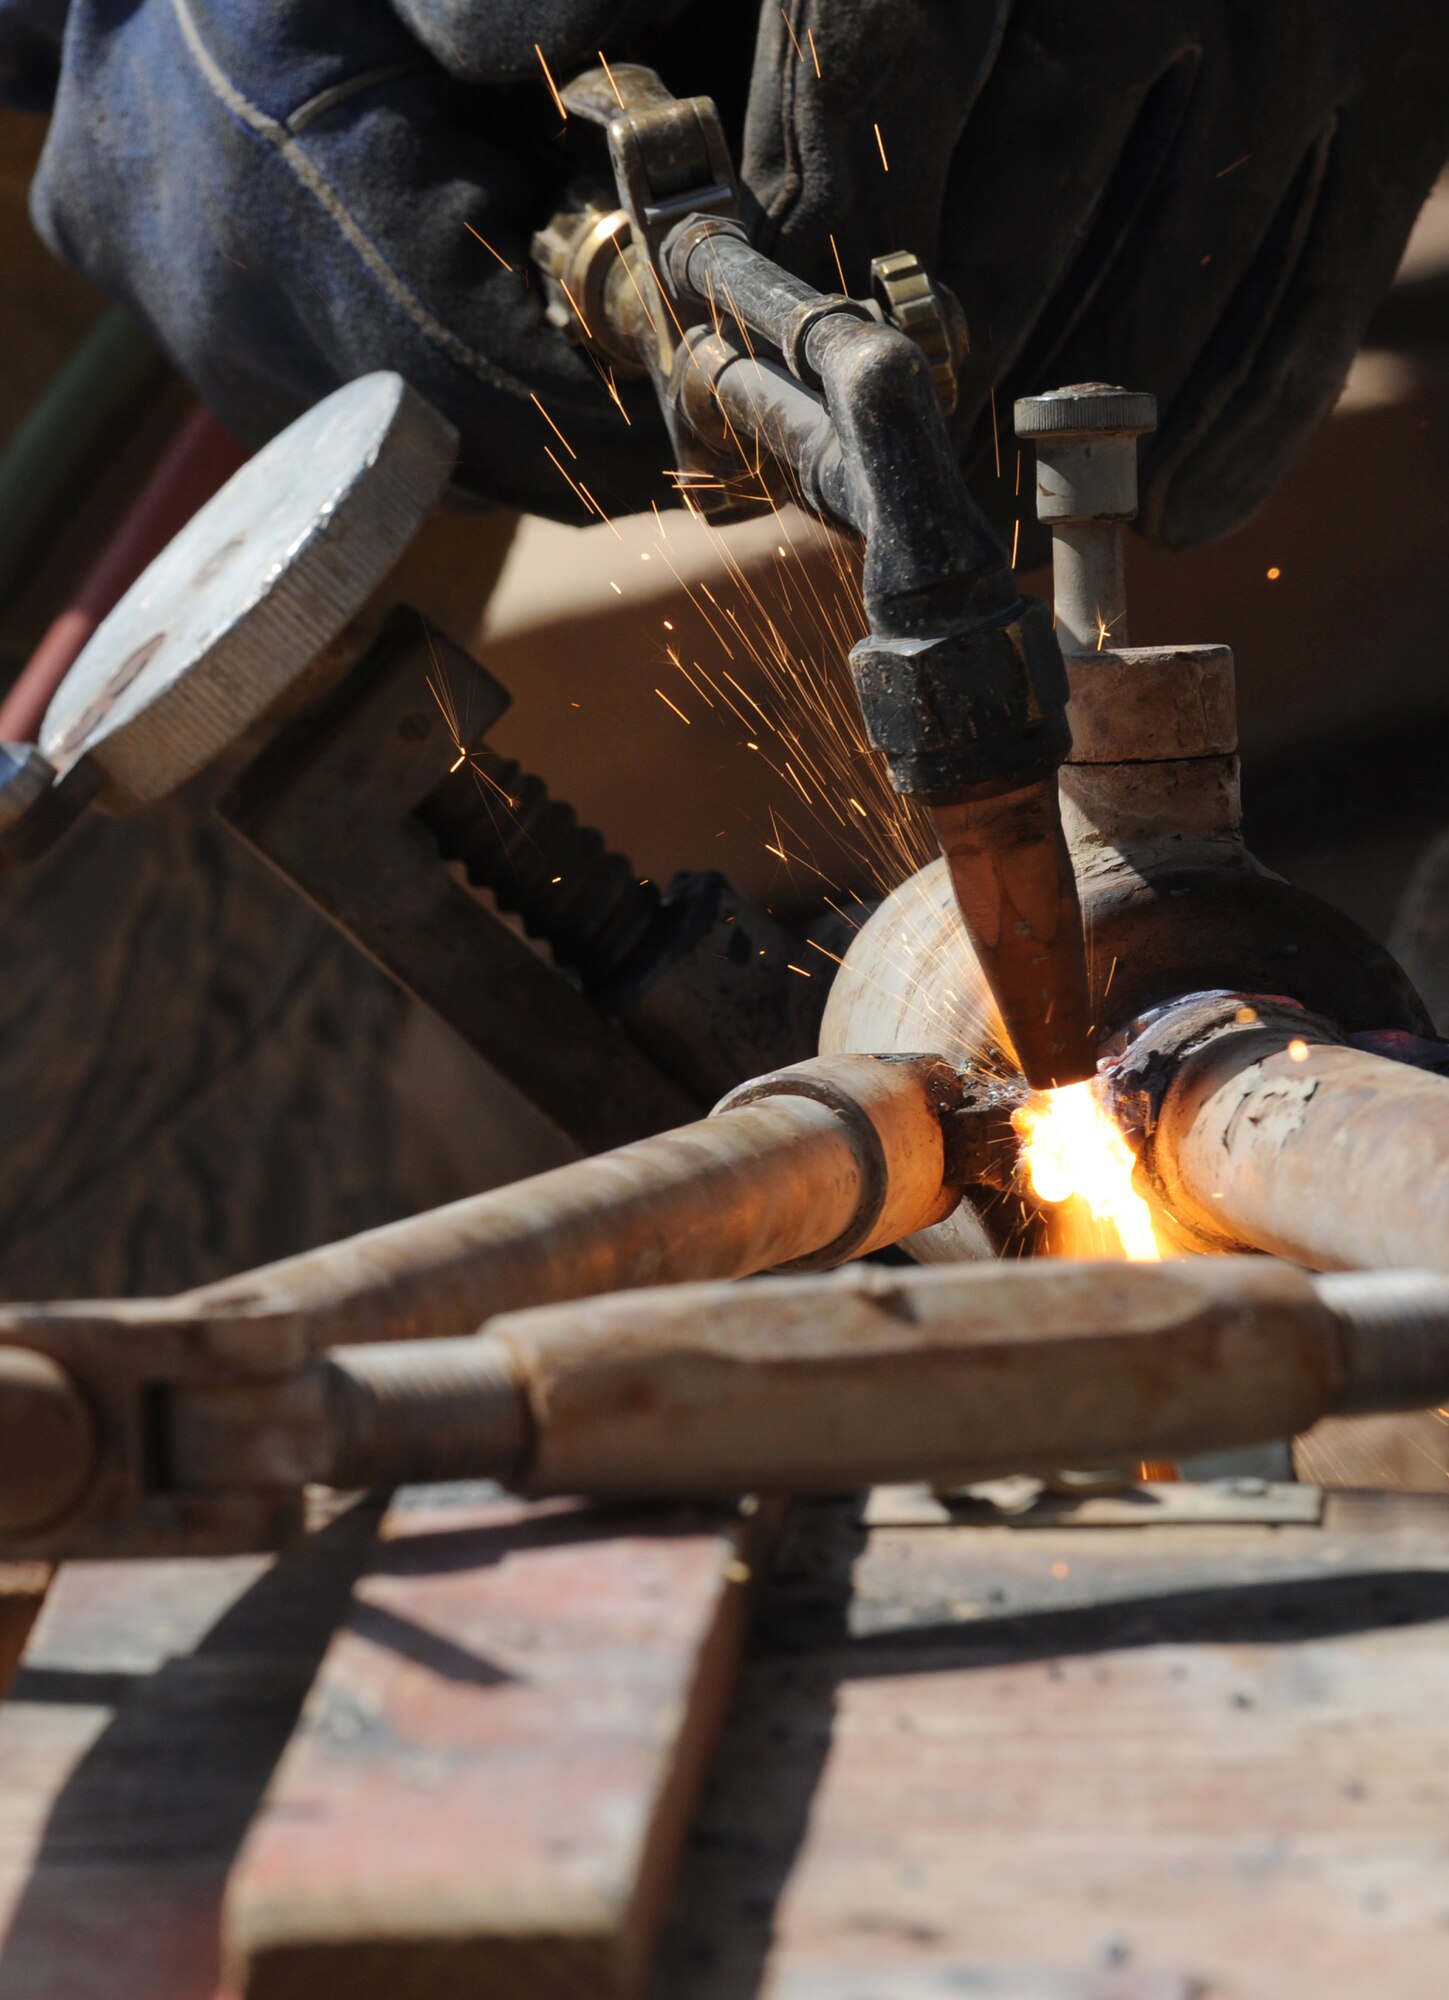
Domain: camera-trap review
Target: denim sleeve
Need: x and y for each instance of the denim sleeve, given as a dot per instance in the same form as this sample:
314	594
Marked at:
293	195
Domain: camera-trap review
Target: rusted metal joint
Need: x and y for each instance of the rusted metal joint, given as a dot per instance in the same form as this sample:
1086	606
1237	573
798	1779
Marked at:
191	1425
1140	1062
1260	1126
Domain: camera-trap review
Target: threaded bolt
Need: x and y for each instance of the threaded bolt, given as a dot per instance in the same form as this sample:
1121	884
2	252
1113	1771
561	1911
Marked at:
1395	1330
560	876
422	1411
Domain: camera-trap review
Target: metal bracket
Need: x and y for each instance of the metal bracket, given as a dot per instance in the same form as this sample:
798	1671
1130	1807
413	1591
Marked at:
670	160
133	1365
330	804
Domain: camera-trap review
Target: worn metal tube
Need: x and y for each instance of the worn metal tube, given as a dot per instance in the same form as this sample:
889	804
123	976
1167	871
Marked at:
713	259
47	1442
1268	1133
826	1160
948	1374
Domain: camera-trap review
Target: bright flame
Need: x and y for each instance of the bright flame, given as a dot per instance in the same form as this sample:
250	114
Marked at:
1074	1152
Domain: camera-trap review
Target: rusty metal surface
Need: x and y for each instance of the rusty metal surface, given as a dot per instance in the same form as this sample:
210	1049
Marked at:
1268	1134
946	1374
47	1441
1211	1758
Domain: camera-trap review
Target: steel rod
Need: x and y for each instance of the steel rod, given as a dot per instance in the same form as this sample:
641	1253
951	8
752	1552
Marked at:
951	1374
831	1158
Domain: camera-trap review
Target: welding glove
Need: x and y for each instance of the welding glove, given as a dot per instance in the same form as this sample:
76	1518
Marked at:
285	193
1204	198
1200	197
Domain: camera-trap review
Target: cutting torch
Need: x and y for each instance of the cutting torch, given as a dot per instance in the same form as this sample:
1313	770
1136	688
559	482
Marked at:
840	404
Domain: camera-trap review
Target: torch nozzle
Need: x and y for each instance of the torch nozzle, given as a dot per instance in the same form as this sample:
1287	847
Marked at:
1014	885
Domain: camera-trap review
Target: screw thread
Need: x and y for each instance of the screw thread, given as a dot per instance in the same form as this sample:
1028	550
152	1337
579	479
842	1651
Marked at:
422	1411
1395	1329
540	862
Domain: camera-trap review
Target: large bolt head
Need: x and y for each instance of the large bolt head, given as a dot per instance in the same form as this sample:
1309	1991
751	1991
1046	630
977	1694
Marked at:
1086	450
1086	409
975	707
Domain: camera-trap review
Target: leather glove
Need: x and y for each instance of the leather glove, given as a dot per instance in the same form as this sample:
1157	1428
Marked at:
1205	198
285	194
1202	197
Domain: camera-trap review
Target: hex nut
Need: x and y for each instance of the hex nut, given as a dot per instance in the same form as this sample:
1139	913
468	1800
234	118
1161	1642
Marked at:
977	706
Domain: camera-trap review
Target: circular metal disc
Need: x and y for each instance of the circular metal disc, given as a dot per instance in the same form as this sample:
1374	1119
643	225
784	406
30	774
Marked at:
265	575
1085	408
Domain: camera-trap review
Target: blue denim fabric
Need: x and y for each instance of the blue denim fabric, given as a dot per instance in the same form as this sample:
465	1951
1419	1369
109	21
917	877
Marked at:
283	193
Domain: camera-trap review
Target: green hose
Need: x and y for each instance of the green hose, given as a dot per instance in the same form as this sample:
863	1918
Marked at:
60	446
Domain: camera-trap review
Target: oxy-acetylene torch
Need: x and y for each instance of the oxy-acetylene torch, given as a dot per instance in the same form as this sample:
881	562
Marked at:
839	403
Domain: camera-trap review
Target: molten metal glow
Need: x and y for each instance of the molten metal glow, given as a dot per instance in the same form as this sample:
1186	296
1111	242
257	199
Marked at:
1073	1152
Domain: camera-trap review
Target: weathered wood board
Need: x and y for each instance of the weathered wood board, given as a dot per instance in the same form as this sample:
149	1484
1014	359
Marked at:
140	1731
492	1776
1084	1764
503	1706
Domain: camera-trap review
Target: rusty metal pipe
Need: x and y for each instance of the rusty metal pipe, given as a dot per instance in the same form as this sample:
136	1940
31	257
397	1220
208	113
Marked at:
824	1161
815	1385
47	1442
1260	1129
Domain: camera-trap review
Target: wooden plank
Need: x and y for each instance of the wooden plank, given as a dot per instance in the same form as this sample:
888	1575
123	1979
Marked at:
864	1979
151	1706
505	1733
1213	1758
1407	1452
489	1786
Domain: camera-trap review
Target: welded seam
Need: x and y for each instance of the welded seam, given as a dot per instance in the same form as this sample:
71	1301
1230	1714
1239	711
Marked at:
294	158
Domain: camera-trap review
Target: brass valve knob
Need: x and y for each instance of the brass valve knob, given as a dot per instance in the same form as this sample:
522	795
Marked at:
926	313
590	295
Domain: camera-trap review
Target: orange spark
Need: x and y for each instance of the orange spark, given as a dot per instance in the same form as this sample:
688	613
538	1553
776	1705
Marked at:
548	79
839	267
618	401
578	310
881	143
486	244
1297	1050
1274	573
533	398
618	94
669	704
789	30
814	55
